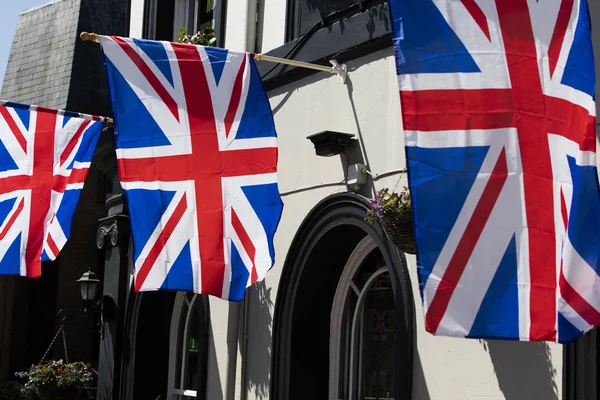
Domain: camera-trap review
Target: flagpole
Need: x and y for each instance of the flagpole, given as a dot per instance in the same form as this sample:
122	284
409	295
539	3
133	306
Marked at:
336	68
32	107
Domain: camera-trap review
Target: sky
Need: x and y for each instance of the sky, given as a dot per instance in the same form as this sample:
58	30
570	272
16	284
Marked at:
8	23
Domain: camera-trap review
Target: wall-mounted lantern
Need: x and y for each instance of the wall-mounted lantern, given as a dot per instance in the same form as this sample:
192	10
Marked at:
331	143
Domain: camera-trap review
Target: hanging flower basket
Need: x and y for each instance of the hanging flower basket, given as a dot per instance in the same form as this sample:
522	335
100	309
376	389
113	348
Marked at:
399	227
57	380
394	213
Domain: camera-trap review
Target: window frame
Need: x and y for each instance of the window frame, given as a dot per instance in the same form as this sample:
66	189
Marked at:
186	12
181	12
174	389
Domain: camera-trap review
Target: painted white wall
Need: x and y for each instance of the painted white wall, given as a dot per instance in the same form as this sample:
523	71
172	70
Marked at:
136	19
368	106
240	30
272	23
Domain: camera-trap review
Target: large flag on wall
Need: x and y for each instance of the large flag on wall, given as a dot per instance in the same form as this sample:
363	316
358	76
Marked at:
197	155
498	109
44	159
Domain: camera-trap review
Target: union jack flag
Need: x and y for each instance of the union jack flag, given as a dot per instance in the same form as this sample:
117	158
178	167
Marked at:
44	159
197	157
499	116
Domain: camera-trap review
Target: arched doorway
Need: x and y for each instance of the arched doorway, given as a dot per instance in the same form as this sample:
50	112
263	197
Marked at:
333	250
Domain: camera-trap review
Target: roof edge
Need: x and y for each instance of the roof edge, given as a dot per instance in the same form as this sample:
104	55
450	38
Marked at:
34	8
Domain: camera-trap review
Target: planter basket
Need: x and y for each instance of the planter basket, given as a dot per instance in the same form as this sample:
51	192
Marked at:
399	227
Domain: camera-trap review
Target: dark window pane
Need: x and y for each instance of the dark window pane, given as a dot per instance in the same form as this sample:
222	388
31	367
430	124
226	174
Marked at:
206	14
164	20
379	342
309	12
306	13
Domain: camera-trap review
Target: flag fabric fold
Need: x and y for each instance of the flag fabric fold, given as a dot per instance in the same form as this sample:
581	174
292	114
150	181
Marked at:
197	156
45	156
498	110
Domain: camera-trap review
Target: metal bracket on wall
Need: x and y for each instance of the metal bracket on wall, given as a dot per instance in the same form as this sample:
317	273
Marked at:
340	69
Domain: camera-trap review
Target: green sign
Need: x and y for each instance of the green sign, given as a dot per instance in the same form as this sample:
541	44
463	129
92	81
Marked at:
193	345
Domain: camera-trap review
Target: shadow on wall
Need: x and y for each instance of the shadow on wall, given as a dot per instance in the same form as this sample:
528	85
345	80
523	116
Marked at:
524	370
258	356
420	389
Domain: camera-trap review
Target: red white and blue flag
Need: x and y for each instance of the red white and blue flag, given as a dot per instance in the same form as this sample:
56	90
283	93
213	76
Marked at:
44	158
499	116
197	156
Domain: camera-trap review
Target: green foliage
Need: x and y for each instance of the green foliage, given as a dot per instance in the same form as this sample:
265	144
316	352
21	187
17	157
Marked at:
385	203
204	37
57	374
12	391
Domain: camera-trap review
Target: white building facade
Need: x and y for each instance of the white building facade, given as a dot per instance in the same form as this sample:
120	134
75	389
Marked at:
339	316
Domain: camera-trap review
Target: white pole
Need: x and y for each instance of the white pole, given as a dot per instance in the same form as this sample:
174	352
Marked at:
339	69
301	64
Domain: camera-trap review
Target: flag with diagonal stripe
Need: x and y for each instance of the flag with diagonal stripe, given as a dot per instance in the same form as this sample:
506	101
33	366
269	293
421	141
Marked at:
197	156
498	110
44	158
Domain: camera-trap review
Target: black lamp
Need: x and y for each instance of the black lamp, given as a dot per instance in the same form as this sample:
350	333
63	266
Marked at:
331	143
89	285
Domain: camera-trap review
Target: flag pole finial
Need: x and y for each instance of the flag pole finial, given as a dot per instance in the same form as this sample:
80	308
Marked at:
89	36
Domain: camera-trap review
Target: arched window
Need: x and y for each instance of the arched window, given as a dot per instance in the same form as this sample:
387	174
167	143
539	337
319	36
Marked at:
344	314
187	354
363	329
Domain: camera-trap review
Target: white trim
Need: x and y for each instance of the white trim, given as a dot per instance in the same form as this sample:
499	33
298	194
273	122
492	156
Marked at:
188	393
179	302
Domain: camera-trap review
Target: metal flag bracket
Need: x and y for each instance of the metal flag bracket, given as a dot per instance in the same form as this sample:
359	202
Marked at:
340	69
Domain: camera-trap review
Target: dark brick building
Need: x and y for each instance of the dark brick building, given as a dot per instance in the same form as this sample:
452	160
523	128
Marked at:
49	66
